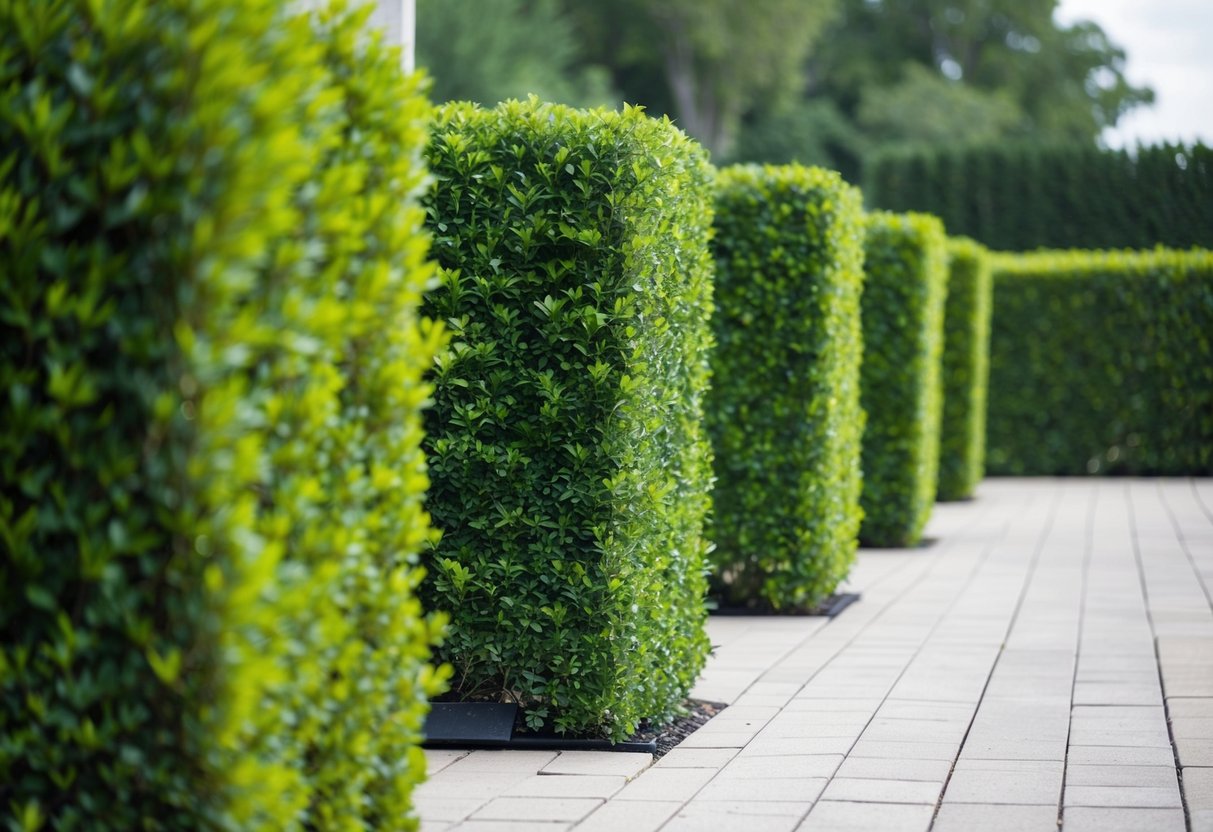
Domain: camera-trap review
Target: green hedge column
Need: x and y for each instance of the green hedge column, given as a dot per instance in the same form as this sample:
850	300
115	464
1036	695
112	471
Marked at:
966	370
210	433
570	468
784	411
1102	363
903	308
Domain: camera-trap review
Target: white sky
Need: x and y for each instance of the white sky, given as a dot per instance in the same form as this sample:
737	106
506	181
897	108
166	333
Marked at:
1169	44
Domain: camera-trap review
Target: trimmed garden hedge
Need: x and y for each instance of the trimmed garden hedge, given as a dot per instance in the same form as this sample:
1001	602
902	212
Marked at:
903	309
570	469
209	435
1102	363
783	412
966	370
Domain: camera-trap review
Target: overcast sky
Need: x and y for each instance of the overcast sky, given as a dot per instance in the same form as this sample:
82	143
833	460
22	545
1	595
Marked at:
1170	48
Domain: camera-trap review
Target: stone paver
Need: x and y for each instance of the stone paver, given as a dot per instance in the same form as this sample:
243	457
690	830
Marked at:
1048	658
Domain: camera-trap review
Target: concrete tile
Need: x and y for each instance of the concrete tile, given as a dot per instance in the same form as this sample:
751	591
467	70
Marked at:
1093	735
434	826
862	790
567	785
1198	789
731	739
667	784
538	810
530	762
1192	727
1090	819
1028	783
1123	775
1119	755
716	816
508	826
774	746
446	808
436	759
779	768
890	749
630	815
619	763
470	785
989	817
839	816
894	769
1138	797
1190	706
1014	750
696	758
1104	693
782	790
1193	752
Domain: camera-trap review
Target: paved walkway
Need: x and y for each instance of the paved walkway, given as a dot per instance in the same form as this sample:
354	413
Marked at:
1047	662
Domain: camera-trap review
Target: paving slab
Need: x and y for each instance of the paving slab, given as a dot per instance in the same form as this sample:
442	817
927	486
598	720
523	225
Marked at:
995	817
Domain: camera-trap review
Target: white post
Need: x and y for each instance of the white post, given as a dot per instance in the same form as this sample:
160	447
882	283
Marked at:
398	19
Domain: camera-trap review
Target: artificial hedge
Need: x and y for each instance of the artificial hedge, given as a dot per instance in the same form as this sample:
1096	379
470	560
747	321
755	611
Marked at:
209	435
570	471
1102	363
966	369
903	308
783	412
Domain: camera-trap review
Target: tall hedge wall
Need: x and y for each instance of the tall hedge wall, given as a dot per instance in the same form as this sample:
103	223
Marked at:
903	311
966	369
570	470
1016	197
1102	363
209	435
783	412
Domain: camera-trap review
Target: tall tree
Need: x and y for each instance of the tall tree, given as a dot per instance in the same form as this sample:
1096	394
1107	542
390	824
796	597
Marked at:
705	62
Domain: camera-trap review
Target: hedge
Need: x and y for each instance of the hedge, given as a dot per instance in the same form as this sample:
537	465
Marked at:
1017	197
209	435
1102	363
570	469
903	309
783	412
966	370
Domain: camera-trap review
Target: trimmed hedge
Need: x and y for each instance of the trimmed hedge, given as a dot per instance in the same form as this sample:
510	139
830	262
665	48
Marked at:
903	311
209	436
1102	363
966	370
570	470
1016	197
784	411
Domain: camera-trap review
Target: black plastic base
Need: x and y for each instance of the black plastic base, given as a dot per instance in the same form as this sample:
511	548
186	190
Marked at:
832	607
491	725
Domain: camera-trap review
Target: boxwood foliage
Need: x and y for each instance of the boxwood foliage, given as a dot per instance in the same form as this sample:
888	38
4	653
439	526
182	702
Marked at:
570	470
209	432
966	369
783	412
1102	363
903	308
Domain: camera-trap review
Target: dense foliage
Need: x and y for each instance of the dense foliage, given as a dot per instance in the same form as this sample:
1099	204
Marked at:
783	412
209	436
1102	363
966	370
1017	197
570	470
903	309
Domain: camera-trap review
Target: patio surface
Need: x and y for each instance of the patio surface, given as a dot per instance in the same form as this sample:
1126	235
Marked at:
1047	662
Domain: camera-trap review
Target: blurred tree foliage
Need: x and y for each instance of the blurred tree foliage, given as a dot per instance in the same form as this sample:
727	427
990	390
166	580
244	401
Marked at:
816	81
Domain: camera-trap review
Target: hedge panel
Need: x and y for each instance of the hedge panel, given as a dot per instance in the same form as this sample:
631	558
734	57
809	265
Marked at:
966	370
1017	197
570	468
209	437
903	309
783	412
1102	363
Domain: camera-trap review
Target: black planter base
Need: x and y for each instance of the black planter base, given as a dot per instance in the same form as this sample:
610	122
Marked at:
491	725
832	607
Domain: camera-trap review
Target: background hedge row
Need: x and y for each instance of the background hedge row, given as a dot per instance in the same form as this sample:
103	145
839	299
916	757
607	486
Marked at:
784	411
1102	362
1015	197
209	435
903	312
570	470
966	369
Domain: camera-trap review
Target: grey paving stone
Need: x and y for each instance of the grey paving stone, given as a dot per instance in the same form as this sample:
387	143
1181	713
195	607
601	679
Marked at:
1183	706
537	809
1139	797
1119	755
621	763
1192	727
894	769
696	758
530	762
445	808
867	790
840	816
989	817
436	759
896	750
790	766
567	785
1119	775
782	790
667	784
1005	781
629	815
508	826
1088	819
1194	752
